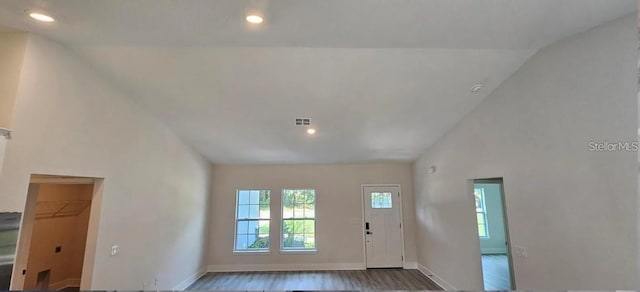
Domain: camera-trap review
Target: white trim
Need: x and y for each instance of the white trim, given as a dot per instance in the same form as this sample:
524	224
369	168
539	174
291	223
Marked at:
252	252
66	283
493	250
190	280
285	267
364	244
58	285
73	282
299	251
410	265
6	133
435	278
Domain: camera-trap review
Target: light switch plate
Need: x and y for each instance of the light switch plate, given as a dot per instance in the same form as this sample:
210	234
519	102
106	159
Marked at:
114	250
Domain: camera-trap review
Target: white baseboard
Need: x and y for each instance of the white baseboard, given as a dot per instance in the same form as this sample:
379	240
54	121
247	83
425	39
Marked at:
190	280
411	265
493	250
435	278
285	267
66	283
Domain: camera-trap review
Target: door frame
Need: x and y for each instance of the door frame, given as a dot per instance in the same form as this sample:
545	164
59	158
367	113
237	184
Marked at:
364	238
497	180
28	217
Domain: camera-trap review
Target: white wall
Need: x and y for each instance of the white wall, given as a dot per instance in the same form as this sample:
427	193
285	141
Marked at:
12	46
573	210
69	121
339	231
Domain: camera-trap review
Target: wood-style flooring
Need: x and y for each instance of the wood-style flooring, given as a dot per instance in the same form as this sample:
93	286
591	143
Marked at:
379	279
495	270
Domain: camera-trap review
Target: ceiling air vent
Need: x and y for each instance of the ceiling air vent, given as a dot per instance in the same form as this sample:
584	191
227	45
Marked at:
303	121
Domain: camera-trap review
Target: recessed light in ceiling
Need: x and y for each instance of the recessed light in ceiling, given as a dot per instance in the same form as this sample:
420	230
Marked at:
40	16
311	131
255	19
476	88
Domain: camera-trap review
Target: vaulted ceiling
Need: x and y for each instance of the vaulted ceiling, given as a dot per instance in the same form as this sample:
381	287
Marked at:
380	80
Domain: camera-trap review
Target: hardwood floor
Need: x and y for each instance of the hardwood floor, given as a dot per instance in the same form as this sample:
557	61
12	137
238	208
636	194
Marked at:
383	279
495	270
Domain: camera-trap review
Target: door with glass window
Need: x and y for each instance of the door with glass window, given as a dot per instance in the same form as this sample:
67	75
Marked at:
383	227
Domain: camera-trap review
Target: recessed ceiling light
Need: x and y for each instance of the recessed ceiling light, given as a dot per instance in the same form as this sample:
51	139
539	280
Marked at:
39	16
311	131
255	19
476	88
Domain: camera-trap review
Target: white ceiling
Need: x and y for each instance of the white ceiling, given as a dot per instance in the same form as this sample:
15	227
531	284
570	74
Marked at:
381	80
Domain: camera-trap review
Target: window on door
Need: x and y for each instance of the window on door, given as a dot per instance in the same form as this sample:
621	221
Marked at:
383	200
252	220
298	219
481	213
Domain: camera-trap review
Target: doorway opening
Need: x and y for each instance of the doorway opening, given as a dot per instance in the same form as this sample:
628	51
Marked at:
493	232
57	236
383	233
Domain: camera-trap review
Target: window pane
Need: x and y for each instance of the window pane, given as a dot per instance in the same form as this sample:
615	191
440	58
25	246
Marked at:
242	227
243	197
261	241
287	212
479	195
264	212
251	239
480	217
297	227
482	231
381	200
298	240
253	227
308	226
298	212
265	198
263	227
243	211
241	241
254	211
308	197
309	211
287	233
254	197
309	241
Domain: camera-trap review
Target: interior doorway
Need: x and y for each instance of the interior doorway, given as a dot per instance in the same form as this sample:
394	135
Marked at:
55	234
384	242
493	232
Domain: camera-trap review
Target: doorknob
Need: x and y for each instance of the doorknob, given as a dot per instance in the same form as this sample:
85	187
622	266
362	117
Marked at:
369	232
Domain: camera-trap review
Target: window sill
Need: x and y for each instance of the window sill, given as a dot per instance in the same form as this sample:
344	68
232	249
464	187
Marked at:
251	252
299	251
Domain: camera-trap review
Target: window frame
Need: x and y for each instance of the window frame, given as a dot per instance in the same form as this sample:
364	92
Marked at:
313	250
483	212
235	227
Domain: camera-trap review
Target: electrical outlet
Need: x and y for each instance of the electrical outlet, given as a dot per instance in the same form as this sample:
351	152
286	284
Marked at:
114	250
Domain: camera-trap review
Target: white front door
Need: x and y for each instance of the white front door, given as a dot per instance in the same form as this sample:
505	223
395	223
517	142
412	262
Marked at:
383	226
